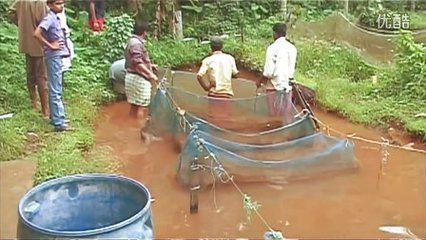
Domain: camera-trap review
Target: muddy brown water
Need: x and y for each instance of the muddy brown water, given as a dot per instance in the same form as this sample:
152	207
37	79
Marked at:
347	205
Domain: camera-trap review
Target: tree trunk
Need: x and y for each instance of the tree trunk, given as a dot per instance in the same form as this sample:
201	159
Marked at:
346	6
158	20
283	8
413	5
134	4
177	26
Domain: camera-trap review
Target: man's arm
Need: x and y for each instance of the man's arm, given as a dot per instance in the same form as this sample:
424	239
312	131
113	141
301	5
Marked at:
92	10
268	68
204	85
235	71
39	36
201	73
292	61
13	15
143	70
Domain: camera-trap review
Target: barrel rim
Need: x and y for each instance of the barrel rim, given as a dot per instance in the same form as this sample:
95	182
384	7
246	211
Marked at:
71	178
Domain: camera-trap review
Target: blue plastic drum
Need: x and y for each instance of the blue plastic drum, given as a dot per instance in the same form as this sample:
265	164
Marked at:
86	206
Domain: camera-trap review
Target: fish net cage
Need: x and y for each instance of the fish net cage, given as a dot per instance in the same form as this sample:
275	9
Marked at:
241	137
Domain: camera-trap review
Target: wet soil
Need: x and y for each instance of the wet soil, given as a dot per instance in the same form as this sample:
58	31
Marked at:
16	178
346	205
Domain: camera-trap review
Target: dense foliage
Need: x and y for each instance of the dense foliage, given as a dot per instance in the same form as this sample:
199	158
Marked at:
115	36
408	79
205	18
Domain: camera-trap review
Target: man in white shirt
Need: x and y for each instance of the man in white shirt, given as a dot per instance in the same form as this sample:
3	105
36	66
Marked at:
279	68
215	77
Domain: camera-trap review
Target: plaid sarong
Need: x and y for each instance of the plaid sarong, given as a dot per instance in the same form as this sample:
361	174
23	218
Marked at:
138	90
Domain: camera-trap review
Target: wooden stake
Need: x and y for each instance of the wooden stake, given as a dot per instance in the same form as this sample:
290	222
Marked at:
195	187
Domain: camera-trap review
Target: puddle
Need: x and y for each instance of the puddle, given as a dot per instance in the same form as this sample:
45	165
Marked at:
350	205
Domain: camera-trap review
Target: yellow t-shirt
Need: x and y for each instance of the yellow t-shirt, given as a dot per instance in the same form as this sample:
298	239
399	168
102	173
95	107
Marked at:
219	68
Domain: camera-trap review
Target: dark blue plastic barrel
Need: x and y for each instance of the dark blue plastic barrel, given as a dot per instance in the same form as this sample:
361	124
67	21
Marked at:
86	206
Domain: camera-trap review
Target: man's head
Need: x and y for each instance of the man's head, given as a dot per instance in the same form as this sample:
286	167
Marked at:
216	43
140	28
55	5
280	30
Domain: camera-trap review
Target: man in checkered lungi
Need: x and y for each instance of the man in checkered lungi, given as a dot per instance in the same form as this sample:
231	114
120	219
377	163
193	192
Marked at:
139	75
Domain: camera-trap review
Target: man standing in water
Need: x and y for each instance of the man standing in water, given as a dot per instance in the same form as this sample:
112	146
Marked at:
140	76
27	15
218	69
279	68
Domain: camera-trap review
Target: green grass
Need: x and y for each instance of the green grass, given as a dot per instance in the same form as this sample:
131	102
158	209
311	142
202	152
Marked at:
57	154
169	52
74	152
418	20
14	98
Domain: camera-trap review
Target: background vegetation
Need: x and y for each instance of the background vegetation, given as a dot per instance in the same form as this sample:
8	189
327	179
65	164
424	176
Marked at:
343	81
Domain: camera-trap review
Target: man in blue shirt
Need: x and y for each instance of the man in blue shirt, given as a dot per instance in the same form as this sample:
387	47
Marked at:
52	38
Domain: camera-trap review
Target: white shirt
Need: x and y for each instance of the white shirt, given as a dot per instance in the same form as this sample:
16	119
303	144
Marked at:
280	63
66	62
63	19
219	68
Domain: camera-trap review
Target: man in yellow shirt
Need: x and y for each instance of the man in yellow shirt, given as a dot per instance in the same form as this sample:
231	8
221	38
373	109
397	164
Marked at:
215	77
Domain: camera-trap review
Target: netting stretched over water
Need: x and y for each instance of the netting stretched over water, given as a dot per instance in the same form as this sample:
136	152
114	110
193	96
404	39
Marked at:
167	119
242	135
247	106
302	158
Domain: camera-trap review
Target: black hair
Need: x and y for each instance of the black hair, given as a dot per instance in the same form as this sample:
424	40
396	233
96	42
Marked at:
280	29
140	27
216	43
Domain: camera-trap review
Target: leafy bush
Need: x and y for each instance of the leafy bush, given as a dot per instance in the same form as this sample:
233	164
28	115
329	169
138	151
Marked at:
169	52
118	29
206	18
4	7
310	11
409	78
418	20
